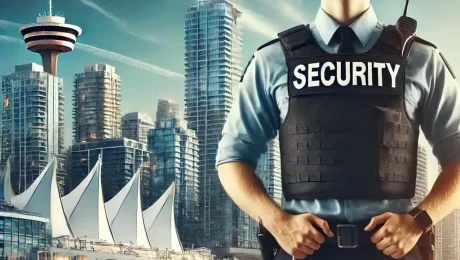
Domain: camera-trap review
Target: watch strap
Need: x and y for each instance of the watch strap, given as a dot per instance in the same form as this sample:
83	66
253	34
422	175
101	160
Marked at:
422	219
415	211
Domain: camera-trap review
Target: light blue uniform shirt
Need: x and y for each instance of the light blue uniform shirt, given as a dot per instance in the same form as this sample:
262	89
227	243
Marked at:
432	101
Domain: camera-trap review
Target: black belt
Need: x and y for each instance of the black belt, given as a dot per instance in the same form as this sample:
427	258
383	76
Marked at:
350	235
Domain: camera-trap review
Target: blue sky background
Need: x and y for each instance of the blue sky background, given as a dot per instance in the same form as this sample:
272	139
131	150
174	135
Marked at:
143	39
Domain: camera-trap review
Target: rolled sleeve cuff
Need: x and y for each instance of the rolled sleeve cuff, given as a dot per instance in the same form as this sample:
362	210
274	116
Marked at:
235	150
448	150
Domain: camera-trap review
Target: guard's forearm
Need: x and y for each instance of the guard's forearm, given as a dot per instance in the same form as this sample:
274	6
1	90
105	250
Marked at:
444	197
247	191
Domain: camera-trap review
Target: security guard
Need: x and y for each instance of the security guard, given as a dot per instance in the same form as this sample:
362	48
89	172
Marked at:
348	96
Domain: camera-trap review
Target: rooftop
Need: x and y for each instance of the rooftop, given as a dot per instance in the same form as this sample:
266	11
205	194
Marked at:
99	67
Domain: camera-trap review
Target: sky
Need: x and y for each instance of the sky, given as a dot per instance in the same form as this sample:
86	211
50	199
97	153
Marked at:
144	39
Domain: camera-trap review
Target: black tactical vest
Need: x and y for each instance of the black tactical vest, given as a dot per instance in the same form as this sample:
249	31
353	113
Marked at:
346	135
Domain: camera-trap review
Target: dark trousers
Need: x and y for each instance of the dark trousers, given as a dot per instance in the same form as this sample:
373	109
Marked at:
362	252
366	250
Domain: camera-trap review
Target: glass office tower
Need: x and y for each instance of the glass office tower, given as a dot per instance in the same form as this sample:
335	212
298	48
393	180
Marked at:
421	185
96	108
174	149
121	158
450	235
167	109
213	67
32	123
269	171
136	126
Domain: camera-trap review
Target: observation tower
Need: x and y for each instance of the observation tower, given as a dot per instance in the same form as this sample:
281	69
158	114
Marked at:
49	37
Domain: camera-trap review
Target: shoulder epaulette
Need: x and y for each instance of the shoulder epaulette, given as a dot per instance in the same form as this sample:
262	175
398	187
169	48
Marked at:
425	42
246	68
250	60
268	43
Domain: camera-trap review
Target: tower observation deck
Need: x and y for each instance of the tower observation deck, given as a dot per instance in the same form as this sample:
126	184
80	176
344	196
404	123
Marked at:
49	37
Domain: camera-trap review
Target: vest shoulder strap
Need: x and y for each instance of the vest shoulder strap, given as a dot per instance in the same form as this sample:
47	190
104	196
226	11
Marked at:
390	37
295	38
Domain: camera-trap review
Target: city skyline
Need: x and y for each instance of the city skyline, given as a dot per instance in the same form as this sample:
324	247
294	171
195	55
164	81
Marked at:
150	59
149	78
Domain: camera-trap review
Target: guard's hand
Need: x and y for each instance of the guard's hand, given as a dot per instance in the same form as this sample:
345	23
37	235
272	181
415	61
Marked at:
297	235
397	236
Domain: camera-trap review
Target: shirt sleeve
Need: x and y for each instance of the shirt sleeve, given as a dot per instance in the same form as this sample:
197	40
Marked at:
253	119
440	119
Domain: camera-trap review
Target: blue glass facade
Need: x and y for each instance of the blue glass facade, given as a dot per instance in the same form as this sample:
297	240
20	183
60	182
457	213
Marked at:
421	185
136	126
213	67
269	171
121	158
20	235
175	152
32	125
96	103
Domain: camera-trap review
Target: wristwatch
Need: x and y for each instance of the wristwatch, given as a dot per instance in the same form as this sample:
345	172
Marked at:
422	218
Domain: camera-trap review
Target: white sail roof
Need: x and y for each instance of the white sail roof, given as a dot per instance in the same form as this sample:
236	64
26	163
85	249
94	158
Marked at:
6	182
160	224
85	210
42	197
124	213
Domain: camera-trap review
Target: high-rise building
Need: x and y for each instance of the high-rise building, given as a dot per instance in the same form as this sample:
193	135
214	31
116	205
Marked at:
269	171
174	149
31	123
33	102
450	237
438	251
63	180
167	109
136	125
421	185
213	67
438	241
121	158
96	103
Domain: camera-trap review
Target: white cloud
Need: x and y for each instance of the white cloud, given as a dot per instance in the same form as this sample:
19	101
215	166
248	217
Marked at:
291	10
127	60
288	9
112	56
8	24
256	23
10	39
104	12
119	22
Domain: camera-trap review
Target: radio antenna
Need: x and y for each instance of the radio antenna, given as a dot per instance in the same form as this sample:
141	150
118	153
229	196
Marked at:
407	28
51	7
405	8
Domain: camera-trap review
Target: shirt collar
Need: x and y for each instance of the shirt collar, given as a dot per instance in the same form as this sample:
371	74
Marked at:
363	27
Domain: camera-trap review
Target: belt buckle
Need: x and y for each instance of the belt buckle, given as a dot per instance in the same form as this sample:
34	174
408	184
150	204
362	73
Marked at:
348	233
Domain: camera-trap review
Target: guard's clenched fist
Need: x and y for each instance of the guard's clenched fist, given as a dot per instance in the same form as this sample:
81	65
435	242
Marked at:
297	235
